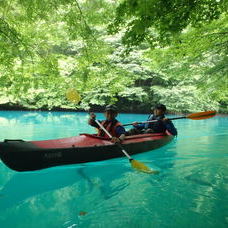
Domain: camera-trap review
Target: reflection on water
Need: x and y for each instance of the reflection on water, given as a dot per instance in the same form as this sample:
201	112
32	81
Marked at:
31	184
41	125
190	191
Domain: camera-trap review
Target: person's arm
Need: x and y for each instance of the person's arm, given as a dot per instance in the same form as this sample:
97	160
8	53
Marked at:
170	126
118	139
122	137
91	120
120	130
138	126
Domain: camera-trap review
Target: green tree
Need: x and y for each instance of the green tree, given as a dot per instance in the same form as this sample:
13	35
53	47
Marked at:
159	22
47	47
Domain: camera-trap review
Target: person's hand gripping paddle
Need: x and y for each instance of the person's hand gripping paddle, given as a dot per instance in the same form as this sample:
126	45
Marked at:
135	164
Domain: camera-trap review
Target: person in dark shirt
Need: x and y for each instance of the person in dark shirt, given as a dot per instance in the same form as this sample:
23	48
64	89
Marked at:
111	124
160	125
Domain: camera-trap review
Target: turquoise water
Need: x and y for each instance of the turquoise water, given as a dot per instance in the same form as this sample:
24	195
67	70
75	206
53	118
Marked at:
190	191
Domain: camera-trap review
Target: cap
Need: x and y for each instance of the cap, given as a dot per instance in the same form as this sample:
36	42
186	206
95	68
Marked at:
111	108
161	107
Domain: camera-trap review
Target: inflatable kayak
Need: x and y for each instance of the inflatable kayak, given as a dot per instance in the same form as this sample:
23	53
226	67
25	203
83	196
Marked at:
23	155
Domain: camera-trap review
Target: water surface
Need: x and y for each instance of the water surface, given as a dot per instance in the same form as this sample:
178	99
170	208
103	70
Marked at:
190	191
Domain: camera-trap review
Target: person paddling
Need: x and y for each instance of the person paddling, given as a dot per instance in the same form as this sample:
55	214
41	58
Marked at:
160	125
111	124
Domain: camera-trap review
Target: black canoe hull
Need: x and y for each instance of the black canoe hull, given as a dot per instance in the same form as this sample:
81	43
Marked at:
20	155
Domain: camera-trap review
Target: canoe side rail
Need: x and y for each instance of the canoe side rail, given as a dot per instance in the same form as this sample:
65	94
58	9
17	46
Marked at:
13	140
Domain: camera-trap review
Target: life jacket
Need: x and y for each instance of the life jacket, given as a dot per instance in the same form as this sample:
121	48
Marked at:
110	126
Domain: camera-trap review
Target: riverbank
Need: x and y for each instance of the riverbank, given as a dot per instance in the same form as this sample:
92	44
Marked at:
6	107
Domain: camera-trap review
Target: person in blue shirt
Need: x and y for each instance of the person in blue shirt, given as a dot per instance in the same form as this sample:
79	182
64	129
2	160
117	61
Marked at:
160	125
111	124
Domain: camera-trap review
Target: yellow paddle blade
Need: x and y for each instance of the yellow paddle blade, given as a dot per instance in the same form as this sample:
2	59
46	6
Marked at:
73	96
201	115
141	167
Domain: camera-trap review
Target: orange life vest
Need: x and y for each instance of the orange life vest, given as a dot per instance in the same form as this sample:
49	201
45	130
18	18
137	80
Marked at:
110	127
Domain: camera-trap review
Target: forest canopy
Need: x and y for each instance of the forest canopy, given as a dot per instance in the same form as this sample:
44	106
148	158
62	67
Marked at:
134	53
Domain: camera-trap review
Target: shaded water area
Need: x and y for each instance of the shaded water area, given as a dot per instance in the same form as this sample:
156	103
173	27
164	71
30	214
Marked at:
190	191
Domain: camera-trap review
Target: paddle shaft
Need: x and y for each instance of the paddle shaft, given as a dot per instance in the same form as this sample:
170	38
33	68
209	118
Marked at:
193	116
151	121
135	164
109	135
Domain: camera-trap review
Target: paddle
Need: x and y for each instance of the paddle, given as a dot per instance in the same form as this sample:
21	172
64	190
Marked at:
193	116
73	96
135	164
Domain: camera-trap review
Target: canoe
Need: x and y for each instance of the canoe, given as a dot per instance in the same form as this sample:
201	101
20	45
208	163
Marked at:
23	155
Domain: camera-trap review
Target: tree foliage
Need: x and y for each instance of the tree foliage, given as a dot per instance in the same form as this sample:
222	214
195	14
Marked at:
188	40
200	58
160	22
47	47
